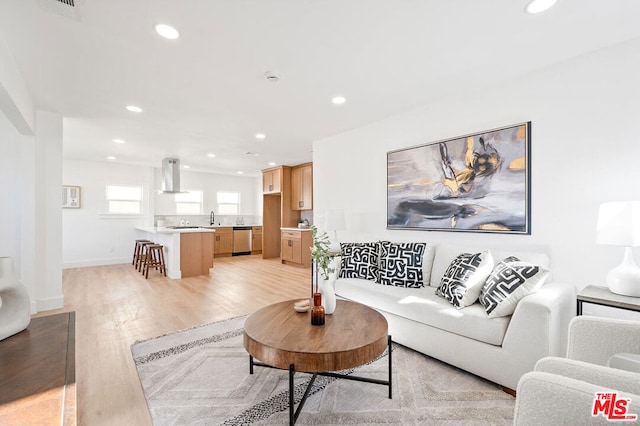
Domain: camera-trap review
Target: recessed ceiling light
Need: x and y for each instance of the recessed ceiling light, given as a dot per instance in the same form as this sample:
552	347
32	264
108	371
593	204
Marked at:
338	100
111	157
133	108
211	155
240	172
272	163
260	136
167	31
538	6
186	166
119	141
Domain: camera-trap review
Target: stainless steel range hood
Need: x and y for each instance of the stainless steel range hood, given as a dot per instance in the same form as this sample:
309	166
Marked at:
170	175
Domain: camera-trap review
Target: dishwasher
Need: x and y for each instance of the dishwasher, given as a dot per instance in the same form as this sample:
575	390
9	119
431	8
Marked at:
241	240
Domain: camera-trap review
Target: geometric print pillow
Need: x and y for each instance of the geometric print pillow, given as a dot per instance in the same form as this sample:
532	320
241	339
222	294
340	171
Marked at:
510	281
359	260
401	264
461	283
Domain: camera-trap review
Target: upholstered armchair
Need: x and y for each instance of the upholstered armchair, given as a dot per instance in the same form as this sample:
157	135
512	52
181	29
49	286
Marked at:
563	391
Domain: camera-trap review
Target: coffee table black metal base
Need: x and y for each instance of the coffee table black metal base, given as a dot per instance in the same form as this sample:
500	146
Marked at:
295	412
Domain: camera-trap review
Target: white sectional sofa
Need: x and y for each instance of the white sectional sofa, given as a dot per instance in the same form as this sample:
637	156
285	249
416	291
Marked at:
498	349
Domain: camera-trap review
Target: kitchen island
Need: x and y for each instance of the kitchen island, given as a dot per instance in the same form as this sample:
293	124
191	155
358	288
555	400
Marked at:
188	252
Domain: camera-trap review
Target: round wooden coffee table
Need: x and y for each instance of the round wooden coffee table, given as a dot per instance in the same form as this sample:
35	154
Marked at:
352	336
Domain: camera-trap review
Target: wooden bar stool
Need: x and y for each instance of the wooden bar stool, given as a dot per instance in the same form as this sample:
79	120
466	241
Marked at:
137	251
154	259
143	255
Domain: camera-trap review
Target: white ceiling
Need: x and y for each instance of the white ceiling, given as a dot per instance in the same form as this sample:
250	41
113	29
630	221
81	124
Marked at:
206	92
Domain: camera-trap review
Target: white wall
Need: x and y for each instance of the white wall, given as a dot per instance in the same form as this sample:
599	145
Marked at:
90	236
585	150
30	175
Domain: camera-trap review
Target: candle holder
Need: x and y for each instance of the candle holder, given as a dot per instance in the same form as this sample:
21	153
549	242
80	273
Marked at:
317	312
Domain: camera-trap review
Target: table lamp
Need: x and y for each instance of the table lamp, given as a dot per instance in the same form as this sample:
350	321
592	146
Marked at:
335	222
619	225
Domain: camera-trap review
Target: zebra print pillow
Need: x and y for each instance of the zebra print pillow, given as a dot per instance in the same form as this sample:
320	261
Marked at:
401	264
461	283
359	260
510	281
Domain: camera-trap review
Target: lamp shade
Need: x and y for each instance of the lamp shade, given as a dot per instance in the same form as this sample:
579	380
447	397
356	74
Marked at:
335	220
619	224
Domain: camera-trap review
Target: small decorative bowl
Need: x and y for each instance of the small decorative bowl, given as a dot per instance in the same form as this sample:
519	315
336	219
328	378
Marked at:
302	306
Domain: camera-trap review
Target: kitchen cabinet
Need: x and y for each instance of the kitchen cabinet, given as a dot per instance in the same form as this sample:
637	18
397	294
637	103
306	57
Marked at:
196	253
302	187
276	210
256	239
272	181
223	242
295	247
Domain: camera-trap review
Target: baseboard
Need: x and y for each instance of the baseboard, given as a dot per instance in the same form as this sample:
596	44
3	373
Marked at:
96	262
49	304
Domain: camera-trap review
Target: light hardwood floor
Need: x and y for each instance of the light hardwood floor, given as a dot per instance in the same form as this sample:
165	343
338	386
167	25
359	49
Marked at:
115	306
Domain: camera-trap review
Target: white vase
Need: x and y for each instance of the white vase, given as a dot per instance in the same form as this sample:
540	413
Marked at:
15	307
328	295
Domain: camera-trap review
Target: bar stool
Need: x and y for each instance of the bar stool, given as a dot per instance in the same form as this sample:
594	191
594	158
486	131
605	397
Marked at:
154	259
143	255
137	251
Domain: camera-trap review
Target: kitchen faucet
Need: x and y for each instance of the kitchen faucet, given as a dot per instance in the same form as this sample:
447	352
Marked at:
212	218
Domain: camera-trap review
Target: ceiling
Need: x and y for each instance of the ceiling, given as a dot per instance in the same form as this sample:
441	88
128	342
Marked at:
206	92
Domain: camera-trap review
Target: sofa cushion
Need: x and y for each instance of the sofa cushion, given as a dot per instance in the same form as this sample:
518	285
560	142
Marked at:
461	283
445	253
401	264
510	281
359	260
423	306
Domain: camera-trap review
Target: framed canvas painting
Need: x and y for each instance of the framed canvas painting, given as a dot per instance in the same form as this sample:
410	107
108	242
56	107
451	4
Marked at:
474	183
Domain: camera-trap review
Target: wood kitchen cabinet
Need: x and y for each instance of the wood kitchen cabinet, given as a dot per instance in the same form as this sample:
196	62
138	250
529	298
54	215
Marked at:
302	187
196	253
223	242
295	247
256	239
272	181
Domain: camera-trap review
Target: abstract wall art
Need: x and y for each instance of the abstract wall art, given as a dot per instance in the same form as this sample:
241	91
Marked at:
473	183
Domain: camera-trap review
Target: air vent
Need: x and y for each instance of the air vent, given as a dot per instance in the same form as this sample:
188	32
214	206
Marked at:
66	8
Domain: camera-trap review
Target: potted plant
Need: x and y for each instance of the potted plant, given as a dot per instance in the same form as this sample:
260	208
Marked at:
322	257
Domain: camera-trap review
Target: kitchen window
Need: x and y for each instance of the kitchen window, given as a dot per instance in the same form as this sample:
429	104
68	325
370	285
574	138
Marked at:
228	202
124	199
189	202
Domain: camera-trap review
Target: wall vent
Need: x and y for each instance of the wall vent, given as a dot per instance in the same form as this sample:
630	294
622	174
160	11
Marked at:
66	8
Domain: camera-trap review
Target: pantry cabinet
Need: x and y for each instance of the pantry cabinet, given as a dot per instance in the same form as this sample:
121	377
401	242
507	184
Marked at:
302	187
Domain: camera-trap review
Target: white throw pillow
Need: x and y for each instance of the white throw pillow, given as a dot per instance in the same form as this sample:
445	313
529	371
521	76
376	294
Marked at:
510	281
461	283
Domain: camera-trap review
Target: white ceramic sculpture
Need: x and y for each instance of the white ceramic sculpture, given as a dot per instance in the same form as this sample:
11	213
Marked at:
15	307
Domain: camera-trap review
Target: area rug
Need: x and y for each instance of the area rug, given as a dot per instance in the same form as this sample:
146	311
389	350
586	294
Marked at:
201	376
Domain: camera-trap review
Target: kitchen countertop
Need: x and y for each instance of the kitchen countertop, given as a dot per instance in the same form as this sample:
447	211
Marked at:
163	230
295	229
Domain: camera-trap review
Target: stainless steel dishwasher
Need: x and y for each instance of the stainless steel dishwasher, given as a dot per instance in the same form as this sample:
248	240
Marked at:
241	240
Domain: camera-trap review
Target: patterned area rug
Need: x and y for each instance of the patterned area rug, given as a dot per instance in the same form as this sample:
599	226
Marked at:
201	376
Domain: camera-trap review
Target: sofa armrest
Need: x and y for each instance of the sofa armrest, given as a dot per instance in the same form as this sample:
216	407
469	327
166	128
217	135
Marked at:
540	322
596	339
550	399
621	380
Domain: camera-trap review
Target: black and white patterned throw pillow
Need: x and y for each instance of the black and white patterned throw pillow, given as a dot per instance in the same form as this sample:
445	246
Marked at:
510	281
464	278
359	260
401	264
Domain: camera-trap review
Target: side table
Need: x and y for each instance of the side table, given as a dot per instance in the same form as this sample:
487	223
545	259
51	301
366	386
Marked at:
600	301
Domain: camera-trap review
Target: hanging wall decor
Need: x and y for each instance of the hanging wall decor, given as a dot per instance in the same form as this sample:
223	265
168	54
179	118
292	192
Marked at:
473	183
